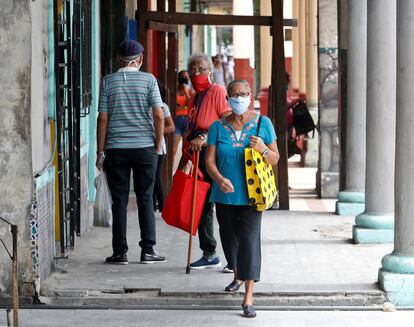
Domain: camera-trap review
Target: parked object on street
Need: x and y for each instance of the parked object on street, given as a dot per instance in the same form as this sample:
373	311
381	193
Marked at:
102	208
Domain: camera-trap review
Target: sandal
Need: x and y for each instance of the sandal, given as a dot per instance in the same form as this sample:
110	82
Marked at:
248	311
233	286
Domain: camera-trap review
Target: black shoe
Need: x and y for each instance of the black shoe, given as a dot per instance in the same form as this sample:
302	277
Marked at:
152	258
248	311
233	286
117	259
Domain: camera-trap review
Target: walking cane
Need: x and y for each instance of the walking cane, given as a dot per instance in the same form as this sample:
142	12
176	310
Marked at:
193	205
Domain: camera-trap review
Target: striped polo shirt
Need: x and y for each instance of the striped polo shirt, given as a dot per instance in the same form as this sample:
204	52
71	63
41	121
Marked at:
129	97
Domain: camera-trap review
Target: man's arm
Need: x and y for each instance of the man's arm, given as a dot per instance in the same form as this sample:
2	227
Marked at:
158	116
101	138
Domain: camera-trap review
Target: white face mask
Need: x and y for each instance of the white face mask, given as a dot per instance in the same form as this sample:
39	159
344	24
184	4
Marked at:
239	105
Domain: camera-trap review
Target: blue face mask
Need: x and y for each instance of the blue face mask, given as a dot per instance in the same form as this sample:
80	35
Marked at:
239	105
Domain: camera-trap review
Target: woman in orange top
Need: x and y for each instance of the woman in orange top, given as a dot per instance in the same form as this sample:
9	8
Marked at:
183	96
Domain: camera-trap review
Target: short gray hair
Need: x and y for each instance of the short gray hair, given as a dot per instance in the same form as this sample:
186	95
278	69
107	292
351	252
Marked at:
130	58
238	81
198	56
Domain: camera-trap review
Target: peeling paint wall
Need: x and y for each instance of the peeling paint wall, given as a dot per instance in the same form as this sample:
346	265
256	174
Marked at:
16	182
42	236
41	148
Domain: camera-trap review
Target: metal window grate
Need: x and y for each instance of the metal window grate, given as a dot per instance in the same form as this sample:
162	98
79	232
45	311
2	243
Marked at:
73	68
86	49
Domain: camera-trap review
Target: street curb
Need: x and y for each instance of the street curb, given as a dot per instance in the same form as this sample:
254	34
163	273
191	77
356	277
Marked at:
183	300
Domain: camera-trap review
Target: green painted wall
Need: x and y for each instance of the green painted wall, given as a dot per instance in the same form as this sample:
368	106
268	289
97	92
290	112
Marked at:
96	77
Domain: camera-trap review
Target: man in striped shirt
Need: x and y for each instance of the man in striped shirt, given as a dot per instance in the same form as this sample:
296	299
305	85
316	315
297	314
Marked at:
130	131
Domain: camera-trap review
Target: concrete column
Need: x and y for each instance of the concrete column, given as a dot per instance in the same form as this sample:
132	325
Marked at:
16	175
243	39
351	201
312	79
396	276
243	36
376	224
302	46
312	54
327	179
295	41
265	46
288	44
131	8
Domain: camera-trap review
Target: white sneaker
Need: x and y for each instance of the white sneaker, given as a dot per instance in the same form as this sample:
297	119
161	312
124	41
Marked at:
227	270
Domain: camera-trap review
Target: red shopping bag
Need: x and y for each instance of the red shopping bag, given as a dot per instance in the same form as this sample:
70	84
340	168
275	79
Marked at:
177	207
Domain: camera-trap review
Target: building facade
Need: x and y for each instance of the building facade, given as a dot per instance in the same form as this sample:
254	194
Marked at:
47	143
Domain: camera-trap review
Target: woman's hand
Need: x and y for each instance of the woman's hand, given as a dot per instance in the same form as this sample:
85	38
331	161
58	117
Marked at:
257	144
225	185
196	144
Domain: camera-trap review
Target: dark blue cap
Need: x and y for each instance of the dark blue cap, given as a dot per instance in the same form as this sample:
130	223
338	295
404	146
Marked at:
130	48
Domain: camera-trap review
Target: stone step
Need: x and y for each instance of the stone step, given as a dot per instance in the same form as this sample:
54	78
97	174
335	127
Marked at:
154	298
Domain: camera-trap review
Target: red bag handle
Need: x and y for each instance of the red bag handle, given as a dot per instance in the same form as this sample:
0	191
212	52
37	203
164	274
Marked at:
190	156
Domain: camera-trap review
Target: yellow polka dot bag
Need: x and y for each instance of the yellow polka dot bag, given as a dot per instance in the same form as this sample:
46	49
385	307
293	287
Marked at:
261	186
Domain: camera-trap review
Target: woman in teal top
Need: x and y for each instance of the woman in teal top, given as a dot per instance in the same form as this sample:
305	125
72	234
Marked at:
239	223
230	155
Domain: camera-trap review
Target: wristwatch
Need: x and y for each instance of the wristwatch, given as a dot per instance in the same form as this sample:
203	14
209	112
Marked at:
265	153
203	137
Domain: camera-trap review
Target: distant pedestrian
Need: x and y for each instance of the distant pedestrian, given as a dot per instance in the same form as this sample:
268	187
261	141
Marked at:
239	223
219	73
130	132
184	93
230	69
159	194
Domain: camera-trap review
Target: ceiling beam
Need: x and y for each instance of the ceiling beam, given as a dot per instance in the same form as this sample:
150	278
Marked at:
161	27
208	19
